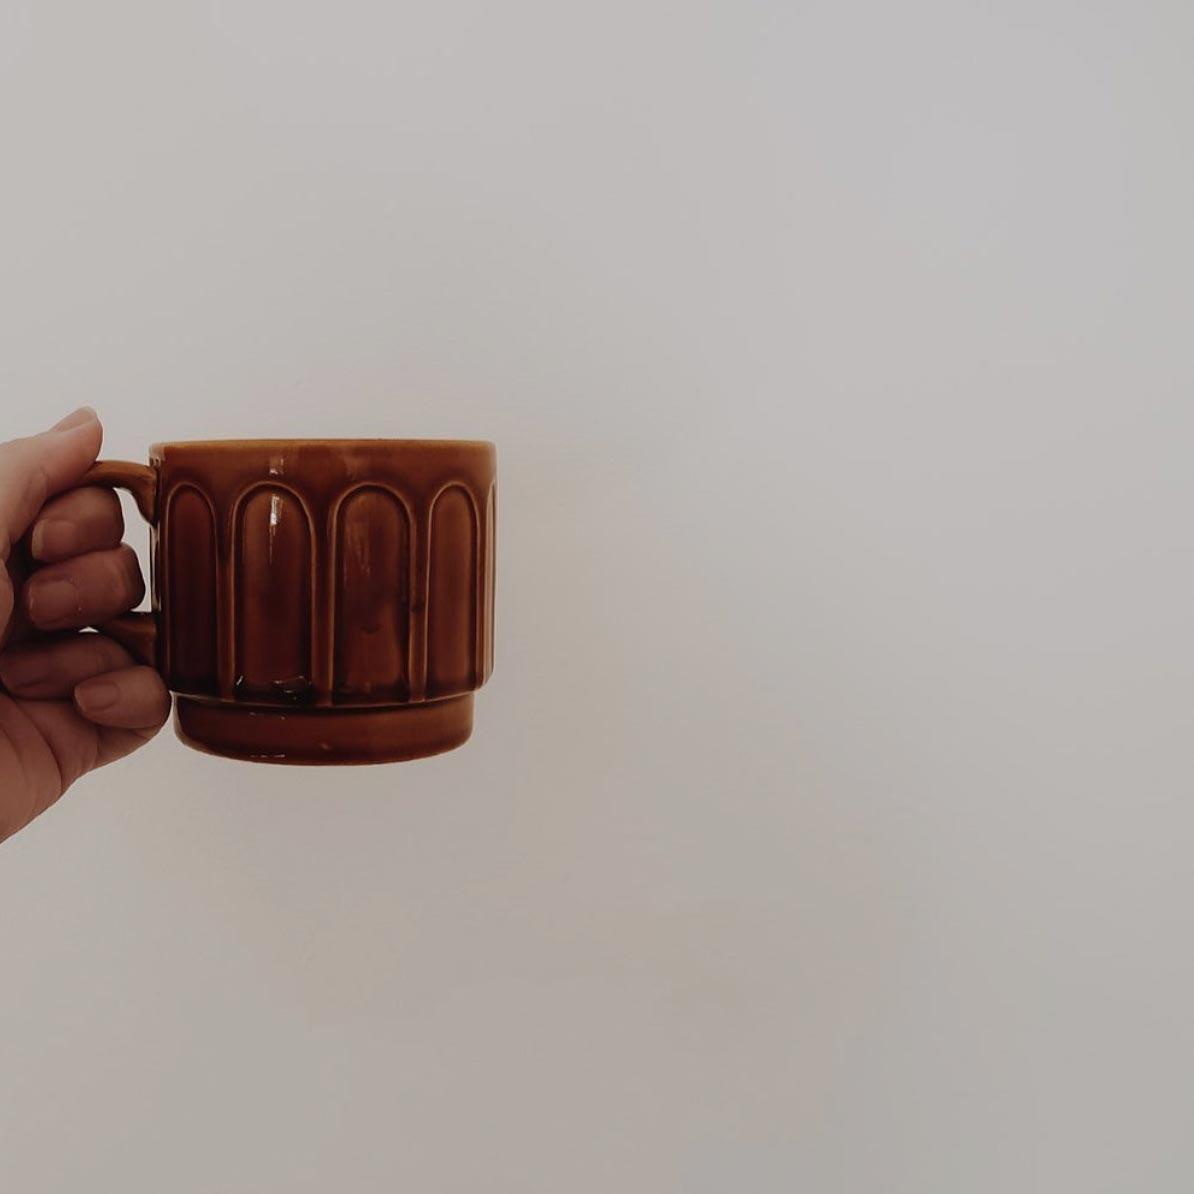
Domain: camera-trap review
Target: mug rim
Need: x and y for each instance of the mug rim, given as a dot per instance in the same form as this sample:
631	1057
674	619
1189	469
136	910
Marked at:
320	441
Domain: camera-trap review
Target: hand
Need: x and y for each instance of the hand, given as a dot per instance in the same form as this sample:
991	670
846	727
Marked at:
69	702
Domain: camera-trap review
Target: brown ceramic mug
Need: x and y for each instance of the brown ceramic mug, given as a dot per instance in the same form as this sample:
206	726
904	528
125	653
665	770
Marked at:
317	601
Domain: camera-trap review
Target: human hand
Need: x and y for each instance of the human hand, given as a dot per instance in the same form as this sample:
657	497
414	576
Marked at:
69	702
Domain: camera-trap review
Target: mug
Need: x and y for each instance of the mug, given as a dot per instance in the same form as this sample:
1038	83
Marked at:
316	601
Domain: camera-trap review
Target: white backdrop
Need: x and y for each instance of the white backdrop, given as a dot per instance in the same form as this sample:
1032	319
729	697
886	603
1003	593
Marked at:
828	821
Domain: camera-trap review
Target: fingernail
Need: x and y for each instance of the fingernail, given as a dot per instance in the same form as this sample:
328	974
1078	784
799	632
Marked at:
50	601
53	538
22	671
85	414
93	695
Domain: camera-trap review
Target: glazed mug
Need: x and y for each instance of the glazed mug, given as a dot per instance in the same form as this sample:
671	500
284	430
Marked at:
316	601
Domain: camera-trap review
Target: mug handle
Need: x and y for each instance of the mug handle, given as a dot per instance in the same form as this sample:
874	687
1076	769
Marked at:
137	632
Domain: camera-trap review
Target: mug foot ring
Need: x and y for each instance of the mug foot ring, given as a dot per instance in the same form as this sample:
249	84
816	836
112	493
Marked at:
378	734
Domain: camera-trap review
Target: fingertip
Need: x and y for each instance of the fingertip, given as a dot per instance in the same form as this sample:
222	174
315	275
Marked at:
77	522
94	696
77	418
130	698
80	427
37	467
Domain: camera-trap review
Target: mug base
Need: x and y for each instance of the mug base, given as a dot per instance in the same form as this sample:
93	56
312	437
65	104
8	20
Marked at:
379	734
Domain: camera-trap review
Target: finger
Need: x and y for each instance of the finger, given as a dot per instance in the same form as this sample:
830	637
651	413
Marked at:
43	671
132	698
82	520
34	469
84	591
70	744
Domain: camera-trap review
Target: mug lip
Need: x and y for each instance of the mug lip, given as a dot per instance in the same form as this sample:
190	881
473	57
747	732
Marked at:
320	441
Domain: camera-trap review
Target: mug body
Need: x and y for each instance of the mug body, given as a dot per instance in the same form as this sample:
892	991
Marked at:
324	600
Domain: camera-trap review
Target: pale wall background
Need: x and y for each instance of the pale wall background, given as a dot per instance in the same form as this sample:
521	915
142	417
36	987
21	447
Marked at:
828	823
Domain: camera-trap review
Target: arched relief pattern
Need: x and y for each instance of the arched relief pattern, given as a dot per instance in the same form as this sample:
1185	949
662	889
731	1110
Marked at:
272	546
452	593
372	596
376	593
490	581
190	527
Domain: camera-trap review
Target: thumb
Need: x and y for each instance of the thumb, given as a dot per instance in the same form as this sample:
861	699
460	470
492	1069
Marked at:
34	469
